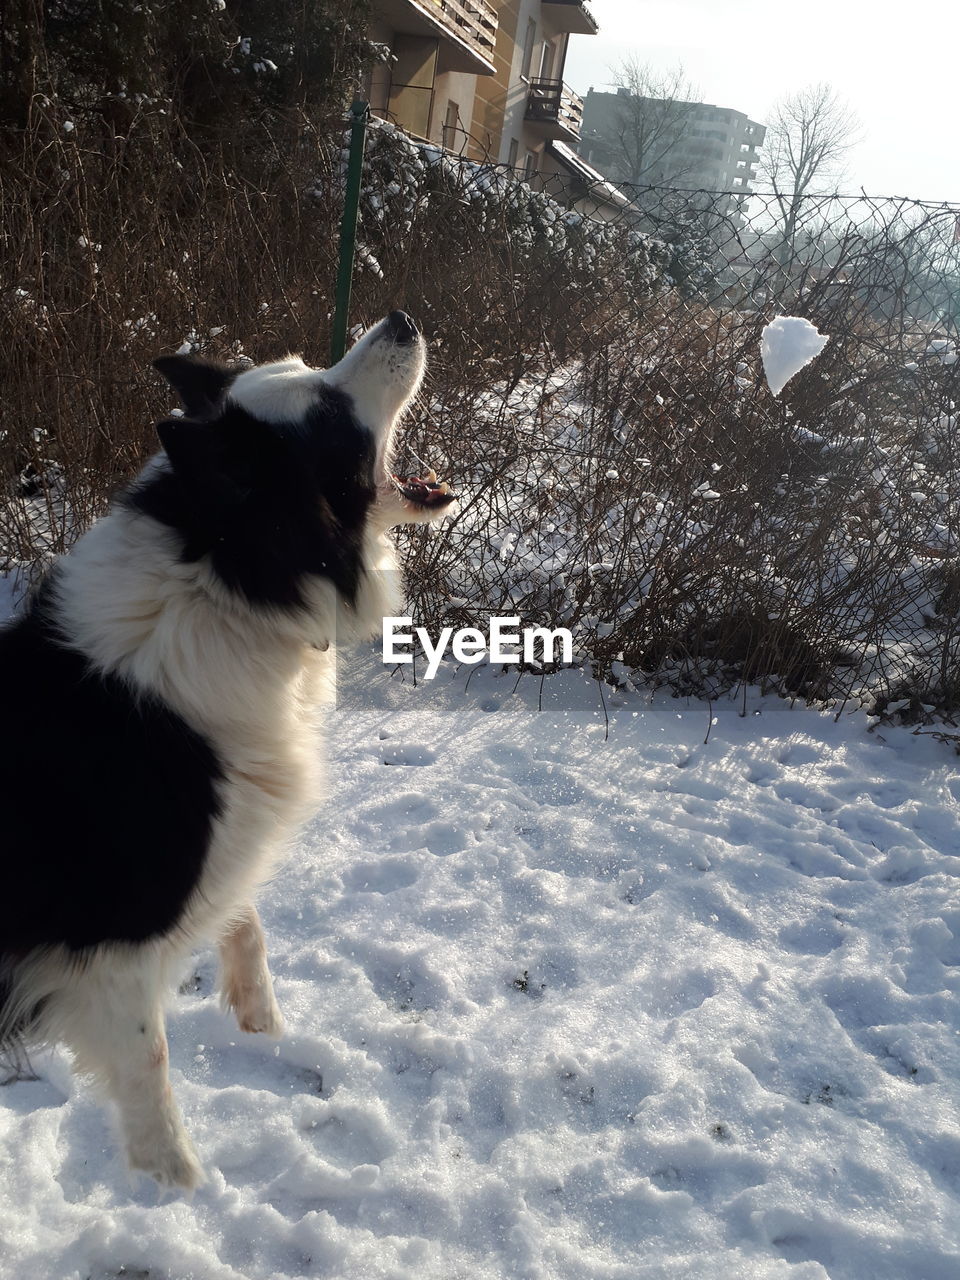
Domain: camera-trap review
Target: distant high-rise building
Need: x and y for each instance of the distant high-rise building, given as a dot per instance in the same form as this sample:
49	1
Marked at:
664	142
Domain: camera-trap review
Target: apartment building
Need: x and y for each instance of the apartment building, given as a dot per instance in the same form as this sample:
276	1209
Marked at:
481	78
438	50
655	142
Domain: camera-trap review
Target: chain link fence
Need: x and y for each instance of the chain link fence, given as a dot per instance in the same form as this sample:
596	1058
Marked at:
595	396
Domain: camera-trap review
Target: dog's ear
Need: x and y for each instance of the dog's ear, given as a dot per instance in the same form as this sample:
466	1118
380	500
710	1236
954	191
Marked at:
194	448
221	461
199	383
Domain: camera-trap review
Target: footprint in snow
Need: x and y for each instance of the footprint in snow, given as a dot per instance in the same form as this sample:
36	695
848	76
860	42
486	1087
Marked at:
414	756
902	866
385	876
795	754
444	838
816	937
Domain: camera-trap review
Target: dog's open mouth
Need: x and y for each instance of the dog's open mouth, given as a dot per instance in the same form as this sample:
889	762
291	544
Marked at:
425	491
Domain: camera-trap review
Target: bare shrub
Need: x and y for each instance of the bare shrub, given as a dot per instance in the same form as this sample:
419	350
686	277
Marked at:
623	468
649	492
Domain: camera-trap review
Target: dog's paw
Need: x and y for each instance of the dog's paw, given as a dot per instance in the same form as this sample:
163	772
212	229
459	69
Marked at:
266	1021
255	1009
174	1165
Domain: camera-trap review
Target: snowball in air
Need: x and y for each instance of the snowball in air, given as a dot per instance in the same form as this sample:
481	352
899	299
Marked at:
787	344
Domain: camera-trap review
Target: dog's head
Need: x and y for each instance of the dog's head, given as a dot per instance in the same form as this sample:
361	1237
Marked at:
281	475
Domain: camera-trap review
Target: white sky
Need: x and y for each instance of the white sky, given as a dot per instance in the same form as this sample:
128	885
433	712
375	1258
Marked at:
897	64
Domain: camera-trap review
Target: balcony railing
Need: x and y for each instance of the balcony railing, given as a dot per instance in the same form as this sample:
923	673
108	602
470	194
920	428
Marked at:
572	16
554	105
468	28
474	22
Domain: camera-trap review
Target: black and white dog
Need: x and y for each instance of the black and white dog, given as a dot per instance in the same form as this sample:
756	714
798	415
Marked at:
158	702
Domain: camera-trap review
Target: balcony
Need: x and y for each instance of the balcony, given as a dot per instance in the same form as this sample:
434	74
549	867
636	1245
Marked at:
555	111
467	28
571	16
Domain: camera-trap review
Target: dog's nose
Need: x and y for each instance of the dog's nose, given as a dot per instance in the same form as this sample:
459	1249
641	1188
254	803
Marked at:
401	328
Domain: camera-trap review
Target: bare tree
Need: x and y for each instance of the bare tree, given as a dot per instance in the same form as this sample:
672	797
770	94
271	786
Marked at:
806	147
652	121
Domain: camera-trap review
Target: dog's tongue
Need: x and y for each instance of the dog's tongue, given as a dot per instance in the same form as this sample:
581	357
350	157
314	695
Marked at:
425	490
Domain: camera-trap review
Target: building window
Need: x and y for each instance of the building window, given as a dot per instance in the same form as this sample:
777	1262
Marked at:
530	165
514	152
546	61
529	42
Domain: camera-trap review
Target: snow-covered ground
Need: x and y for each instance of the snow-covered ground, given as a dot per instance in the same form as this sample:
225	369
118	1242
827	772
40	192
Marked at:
562	1003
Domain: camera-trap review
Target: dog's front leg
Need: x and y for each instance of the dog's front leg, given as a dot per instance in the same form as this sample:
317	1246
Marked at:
245	983
116	1030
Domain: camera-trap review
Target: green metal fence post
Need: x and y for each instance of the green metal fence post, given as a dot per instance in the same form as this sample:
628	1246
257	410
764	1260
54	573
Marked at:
359	113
